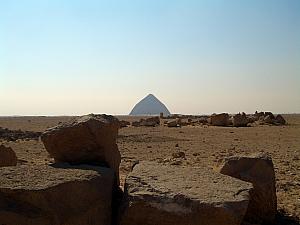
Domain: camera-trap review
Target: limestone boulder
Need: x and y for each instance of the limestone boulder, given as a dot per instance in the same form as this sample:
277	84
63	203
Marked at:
268	119
184	122
87	139
157	194
151	122
251	118
35	195
219	119
270	114
240	120
258	115
230	121
203	120
259	170
280	120
7	156
174	123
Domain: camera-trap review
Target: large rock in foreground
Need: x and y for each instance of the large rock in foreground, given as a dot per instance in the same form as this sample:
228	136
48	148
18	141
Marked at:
170	195
87	139
259	170
7	156
55	196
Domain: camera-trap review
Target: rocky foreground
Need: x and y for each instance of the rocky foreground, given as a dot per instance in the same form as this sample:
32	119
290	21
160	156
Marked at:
164	192
161	194
55	195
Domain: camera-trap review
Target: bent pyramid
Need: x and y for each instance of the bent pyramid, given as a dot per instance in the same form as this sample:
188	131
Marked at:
149	105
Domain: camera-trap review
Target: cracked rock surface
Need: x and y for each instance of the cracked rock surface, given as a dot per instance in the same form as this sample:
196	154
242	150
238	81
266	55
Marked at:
56	195
165	194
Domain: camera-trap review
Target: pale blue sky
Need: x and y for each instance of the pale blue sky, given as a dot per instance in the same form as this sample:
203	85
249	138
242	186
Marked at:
75	57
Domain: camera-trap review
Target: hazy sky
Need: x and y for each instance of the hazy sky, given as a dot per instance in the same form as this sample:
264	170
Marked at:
63	57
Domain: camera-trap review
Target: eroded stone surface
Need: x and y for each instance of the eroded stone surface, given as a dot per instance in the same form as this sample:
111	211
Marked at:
35	195
157	194
280	120
240	120
86	139
7	156
221	119
259	170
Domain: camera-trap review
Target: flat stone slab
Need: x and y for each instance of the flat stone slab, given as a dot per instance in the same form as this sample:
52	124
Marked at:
61	195
157	194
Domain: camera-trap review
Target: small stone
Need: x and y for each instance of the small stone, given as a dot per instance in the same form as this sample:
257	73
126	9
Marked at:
178	155
7	156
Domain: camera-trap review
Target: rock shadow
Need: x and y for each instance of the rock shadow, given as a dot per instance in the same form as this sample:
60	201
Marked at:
282	218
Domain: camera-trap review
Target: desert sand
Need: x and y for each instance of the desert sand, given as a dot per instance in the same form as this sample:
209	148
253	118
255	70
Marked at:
202	145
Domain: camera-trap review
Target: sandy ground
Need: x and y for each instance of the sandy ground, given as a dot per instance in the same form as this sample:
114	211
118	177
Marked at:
202	145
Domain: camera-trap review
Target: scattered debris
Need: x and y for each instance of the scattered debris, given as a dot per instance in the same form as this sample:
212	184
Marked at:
13	135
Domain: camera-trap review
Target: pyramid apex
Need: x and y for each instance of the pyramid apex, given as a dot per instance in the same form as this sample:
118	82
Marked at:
149	105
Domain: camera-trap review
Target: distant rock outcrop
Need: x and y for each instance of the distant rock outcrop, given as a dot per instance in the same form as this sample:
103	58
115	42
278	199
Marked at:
13	135
240	120
280	120
150	105
219	119
150	122
174	123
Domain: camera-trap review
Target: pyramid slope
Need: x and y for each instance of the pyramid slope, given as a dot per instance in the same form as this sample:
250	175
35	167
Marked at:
149	105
